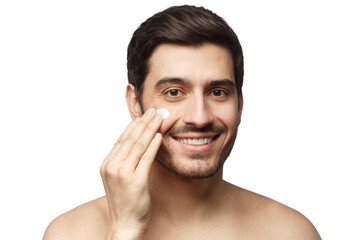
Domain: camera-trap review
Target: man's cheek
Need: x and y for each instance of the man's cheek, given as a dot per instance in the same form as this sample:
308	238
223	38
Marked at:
169	121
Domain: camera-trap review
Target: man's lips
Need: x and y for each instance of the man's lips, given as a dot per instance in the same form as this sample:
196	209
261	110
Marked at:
195	140
195	144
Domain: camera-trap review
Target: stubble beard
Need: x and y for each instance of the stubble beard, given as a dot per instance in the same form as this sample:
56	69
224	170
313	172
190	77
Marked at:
199	169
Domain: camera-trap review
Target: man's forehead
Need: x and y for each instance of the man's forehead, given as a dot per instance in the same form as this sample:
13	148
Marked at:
204	62
168	51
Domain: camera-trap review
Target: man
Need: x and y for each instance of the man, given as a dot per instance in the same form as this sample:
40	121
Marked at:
163	178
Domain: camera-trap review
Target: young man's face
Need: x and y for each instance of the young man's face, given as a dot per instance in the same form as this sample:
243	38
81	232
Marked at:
197	86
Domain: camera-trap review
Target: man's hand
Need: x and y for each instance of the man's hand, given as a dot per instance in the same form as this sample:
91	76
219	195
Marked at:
125	174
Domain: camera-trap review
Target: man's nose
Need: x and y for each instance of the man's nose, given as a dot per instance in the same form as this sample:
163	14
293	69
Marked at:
198	112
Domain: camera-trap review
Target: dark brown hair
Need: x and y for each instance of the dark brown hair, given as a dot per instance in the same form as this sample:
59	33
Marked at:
188	25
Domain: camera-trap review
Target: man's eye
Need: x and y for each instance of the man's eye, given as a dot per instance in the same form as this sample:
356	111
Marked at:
218	93
173	93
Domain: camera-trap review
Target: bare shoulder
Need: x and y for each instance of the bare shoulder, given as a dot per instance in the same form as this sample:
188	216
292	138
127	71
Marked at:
87	221
267	217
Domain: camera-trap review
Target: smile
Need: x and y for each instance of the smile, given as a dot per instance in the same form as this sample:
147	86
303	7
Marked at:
196	141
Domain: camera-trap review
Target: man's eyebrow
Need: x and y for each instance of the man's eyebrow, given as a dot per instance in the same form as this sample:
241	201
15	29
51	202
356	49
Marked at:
171	80
184	81
221	82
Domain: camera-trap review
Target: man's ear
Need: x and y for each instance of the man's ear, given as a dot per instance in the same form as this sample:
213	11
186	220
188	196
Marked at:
241	107
132	102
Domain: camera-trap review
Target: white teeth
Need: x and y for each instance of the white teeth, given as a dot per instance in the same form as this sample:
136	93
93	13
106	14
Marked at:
195	141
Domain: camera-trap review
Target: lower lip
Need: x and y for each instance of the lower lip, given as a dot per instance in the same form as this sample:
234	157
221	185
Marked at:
196	148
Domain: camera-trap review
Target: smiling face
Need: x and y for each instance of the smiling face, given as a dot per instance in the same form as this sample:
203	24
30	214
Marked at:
196	84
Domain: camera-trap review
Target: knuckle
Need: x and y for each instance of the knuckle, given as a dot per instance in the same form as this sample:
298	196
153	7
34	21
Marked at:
140	146
102	170
120	174
115	171
130	139
109	170
134	155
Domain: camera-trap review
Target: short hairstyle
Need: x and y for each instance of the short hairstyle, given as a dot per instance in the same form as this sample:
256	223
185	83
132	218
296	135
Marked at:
187	25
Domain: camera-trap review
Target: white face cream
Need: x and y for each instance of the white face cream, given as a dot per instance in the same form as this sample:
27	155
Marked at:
163	112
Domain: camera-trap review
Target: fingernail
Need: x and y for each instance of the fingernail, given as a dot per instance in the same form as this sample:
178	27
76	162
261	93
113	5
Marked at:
150	111
157	135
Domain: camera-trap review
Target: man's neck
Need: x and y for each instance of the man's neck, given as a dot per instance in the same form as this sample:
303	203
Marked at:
176	198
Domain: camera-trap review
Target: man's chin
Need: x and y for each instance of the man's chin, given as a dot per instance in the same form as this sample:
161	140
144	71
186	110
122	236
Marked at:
195	168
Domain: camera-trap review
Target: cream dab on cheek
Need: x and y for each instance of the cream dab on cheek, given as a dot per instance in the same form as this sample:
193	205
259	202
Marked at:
163	112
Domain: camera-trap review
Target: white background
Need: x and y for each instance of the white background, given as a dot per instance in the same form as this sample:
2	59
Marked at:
63	78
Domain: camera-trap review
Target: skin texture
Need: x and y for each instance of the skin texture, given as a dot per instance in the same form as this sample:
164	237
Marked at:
176	191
